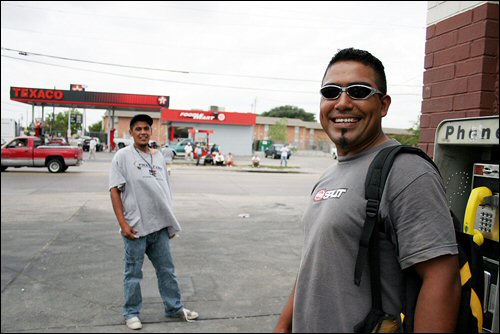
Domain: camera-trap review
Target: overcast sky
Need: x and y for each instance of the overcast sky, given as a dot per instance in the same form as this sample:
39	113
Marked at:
242	56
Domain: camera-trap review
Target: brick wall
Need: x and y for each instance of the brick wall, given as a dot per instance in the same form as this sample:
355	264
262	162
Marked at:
461	70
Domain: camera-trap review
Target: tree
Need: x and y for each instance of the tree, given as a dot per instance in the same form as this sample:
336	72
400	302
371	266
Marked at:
277	132
412	139
59	123
96	127
290	112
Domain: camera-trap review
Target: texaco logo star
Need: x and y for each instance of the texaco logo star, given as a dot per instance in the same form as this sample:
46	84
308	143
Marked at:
162	100
221	117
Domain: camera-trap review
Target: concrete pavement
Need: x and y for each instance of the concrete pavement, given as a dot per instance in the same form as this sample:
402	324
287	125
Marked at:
61	267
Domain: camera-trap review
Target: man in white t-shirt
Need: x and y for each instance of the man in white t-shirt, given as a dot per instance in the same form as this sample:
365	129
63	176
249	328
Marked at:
284	155
189	152
141	197
92	148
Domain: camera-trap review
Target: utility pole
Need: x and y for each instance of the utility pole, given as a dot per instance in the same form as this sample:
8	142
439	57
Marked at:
254	105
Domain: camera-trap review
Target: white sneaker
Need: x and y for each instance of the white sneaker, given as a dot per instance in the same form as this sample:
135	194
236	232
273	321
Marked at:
187	315
134	323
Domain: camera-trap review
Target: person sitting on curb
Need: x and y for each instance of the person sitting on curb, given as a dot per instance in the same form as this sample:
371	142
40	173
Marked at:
219	159
230	160
256	160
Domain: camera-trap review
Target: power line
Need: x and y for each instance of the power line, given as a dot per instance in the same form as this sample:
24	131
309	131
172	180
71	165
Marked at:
163	80
27	53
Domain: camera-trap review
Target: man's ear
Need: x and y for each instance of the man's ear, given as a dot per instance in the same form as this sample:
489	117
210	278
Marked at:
386	102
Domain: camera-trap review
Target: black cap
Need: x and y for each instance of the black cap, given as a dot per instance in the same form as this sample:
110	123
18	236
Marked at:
141	117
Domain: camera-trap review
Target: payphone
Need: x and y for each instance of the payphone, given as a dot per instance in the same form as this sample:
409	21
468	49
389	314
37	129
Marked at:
467	153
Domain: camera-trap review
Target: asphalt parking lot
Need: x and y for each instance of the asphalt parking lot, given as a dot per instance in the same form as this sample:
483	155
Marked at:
236	258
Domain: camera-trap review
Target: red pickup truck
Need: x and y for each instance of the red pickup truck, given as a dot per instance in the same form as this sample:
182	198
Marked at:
29	151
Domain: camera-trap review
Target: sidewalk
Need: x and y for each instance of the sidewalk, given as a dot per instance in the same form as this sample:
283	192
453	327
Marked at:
298	163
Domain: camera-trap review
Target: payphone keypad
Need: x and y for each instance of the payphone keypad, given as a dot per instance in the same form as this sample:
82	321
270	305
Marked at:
486	218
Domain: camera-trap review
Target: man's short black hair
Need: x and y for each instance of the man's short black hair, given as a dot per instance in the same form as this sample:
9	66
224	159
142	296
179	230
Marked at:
141	117
365	58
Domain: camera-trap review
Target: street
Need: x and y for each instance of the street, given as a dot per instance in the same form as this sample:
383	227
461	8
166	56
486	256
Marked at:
236	257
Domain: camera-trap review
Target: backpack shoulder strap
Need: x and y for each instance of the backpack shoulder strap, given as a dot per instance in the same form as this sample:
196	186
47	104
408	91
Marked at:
374	187
368	251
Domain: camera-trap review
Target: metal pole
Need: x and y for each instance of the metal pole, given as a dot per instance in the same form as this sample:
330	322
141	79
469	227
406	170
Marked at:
109	130
69	124
53	120
42	130
159	130
33	116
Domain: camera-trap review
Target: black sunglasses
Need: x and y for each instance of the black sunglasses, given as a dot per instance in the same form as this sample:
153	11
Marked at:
355	92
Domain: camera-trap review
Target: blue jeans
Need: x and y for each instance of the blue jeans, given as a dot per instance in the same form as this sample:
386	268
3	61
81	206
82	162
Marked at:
157	246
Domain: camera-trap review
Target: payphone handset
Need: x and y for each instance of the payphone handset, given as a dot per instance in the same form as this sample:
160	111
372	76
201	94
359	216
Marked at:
480	218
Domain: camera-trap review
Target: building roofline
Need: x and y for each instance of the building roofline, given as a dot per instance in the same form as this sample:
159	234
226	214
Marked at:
265	120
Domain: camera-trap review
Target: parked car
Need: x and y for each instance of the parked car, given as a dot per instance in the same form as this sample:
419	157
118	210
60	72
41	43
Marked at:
153	144
122	142
179	147
29	151
275	151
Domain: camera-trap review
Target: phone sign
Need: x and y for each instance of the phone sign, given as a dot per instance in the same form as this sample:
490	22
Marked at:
483	130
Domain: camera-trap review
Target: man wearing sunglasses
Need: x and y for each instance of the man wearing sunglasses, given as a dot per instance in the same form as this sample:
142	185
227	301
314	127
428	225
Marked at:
325	297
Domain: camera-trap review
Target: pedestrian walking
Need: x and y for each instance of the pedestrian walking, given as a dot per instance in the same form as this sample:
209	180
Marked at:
92	148
189	152
199	152
284	155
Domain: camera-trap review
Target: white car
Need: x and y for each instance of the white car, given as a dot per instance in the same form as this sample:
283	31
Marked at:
122	142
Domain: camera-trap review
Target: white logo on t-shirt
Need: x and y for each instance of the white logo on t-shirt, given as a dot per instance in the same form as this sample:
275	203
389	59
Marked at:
326	194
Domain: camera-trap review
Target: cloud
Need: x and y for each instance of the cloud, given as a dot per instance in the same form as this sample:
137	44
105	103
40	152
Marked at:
230	50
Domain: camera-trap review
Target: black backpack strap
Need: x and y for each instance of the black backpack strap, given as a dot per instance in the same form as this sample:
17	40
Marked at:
374	187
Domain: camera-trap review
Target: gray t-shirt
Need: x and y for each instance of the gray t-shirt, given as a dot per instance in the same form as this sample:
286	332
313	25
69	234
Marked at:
146	198
414	203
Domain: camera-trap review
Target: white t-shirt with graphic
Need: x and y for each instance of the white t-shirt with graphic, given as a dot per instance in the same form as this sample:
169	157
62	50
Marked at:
145	190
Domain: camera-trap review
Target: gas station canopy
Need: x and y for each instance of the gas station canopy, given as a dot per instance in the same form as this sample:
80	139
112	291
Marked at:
85	99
